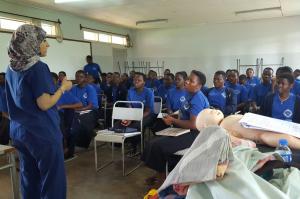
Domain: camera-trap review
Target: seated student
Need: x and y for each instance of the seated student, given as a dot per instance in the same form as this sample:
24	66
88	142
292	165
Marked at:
85	117
125	80
61	75
4	125
286	69
92	81
166	71
282	104
152	81
103	83
251	79
168	84
145	95
239	90
176	95
259	92
297	75
117	91
175	98
227	74
66	106
243	81
220	97
161	149
131	77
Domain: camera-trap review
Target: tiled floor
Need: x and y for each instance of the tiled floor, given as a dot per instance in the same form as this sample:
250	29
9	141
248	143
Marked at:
85	183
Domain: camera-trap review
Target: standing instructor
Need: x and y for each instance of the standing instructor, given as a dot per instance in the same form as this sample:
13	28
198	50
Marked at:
35	131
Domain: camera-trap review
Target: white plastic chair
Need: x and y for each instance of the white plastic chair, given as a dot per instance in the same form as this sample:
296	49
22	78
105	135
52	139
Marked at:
120	113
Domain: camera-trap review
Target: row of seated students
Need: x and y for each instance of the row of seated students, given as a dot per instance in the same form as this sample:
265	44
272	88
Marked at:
79	107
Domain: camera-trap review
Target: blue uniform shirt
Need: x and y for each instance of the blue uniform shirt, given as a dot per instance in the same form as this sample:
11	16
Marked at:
92	69
163	91
240	91
296	88
192	104
173	98
253	81
154	84
259	92
86	95
98	92
217	98
67	98
146	97
283	110
27	119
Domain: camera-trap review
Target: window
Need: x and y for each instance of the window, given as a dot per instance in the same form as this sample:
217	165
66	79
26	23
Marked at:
104	37
90	36
49	28
10	24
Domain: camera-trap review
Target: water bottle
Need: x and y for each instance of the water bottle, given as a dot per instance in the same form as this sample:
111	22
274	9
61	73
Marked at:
284	151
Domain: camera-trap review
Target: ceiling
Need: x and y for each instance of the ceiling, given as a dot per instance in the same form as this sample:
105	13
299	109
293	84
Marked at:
178	12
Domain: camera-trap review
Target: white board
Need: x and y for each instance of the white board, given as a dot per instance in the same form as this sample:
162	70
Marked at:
68	56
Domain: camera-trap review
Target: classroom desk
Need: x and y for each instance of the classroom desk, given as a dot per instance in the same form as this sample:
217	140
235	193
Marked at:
10	153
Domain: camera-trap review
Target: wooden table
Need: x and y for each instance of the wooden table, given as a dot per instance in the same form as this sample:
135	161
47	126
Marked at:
10	153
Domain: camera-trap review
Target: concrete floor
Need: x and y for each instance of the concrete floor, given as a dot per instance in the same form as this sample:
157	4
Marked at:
84	183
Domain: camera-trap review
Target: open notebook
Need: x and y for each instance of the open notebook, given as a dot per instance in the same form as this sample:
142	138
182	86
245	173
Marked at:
259	122
172	132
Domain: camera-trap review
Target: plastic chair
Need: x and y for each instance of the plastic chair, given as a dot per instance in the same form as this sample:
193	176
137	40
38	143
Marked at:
120	113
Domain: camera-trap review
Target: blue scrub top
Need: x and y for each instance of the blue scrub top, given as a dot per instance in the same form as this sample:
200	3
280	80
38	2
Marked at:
92	69
146	97
283	110
204	90
173	98
217	98
253	81
86	95
192	104
98	92
259	92
163	91
28	121
240	91
3	101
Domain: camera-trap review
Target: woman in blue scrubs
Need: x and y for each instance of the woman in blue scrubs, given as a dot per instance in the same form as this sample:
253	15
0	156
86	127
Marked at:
35	131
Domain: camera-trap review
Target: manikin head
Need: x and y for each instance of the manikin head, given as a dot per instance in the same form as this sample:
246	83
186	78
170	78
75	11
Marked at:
209	117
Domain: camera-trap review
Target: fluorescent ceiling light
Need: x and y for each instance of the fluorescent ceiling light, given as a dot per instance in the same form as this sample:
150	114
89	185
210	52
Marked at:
152	21
258	10
67	1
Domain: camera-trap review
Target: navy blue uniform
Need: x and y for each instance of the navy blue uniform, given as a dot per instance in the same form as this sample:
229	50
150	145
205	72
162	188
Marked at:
92	69
240	91
36	133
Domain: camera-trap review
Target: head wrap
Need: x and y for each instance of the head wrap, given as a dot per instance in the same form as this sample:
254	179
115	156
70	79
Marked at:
199	164
24	47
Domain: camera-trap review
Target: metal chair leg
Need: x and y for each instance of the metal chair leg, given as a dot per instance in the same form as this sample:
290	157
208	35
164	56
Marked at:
14	177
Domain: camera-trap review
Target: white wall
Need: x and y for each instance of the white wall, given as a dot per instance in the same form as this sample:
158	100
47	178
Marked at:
70	27
217	46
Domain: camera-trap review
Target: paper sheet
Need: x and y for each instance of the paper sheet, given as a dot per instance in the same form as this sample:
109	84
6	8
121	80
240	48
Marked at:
255	121
172	132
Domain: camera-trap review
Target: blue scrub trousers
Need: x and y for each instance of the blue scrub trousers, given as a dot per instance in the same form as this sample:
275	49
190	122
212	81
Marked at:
42	171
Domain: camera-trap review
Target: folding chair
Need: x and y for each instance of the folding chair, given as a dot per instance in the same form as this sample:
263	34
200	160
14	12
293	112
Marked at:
102	121
120	113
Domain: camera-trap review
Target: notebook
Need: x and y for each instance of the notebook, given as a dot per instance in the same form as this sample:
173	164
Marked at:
173	132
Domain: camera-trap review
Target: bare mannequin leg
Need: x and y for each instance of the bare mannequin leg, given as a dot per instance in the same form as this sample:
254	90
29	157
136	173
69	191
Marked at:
231	124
